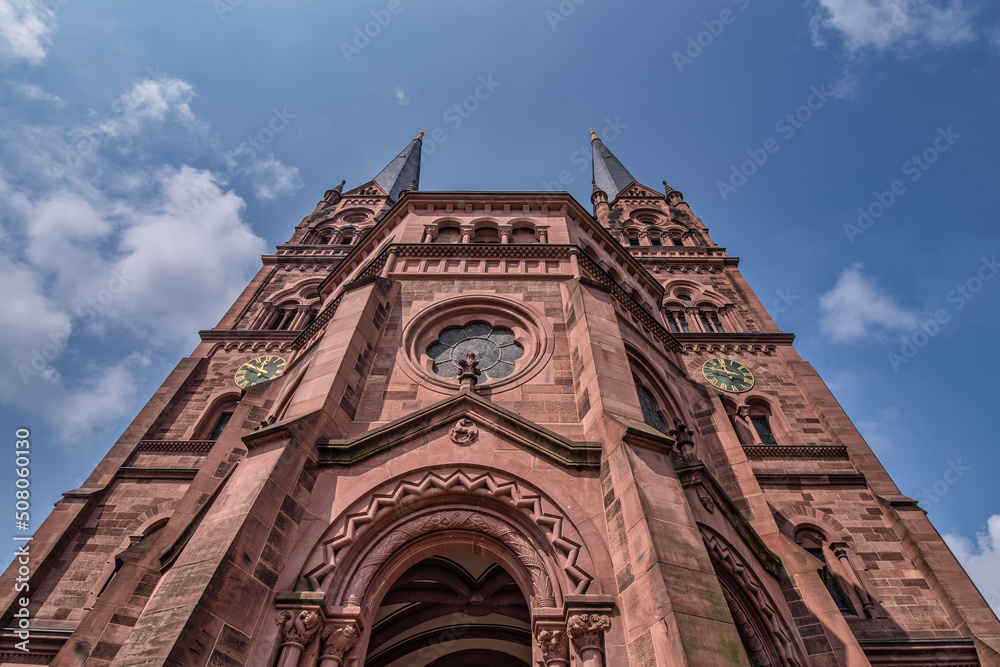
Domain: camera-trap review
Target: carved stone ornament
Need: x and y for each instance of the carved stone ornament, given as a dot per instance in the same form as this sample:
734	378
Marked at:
469	366
705	497
464	432
555	647
748	633
338	640
298	628
683	434
452	520
587	630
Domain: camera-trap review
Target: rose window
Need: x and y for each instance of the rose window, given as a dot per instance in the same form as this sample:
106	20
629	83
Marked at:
494	348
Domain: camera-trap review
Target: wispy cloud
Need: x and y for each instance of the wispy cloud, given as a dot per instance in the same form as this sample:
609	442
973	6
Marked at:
995	38
273	179
34	92
115	246
891	25
980	559
150	100
25	29
858	309
878	432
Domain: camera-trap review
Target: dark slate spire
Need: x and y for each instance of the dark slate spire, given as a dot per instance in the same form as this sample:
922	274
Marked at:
610	175
403	171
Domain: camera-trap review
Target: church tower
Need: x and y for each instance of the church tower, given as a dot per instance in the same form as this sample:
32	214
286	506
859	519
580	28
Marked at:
446	429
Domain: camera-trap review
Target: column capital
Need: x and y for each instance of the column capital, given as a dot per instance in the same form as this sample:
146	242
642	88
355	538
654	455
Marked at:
555	646
298	628
338	639
587	631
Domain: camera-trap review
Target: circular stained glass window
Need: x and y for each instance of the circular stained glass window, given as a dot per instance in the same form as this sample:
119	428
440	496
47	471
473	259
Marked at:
494	348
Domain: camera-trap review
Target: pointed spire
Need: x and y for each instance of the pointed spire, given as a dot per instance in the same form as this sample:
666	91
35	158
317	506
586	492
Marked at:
404	170
672	196
610	175
333	196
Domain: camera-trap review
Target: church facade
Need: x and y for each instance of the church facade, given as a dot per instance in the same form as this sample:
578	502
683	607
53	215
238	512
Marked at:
446	429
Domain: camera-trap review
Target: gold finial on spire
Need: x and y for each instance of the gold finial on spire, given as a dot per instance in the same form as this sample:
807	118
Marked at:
593	135
421	134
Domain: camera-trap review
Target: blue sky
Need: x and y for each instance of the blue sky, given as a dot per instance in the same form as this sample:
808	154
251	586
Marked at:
845	149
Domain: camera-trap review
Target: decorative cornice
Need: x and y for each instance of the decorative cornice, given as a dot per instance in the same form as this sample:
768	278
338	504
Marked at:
735	338
826	452
522	203
579	455
481	250
263	335
269	260
156	473
175	446
829	479
957	652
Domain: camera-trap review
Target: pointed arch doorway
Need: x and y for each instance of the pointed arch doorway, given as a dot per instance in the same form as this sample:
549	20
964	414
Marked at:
453	609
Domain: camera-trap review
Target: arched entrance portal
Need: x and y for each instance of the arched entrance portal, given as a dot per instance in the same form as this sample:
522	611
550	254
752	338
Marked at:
454	609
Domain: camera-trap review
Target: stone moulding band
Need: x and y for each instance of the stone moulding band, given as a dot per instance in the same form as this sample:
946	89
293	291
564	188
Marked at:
473	482
796	451
451	520
741	572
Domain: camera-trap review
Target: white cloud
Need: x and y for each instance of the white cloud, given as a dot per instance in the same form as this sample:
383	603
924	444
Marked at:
890	24
186	257
107	247
106	396
273	179
981	560
149	100
25	26
857	309
34	92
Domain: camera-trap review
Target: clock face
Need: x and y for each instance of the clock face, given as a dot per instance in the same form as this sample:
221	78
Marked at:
259	369
728	375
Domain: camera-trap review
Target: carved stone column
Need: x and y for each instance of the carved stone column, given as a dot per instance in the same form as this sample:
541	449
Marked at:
555	647
301	317
587	632
337	640
839	549
390	264
264	316
505	232
297	630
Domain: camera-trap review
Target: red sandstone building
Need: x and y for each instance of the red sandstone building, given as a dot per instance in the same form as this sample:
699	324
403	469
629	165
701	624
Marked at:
495	429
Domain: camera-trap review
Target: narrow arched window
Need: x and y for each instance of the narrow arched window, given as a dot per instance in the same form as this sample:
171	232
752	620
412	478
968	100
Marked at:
710	321
677	322
650	409
283	319
813	541
220	425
